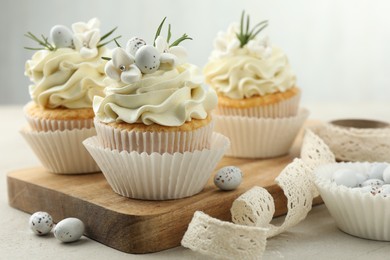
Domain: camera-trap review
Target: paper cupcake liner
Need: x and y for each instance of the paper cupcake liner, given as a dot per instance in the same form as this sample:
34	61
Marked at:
352	144
157	176
356	213
285	108
62	151
259	137
149	142
45	125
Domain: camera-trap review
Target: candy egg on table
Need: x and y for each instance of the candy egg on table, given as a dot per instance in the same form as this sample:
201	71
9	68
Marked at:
62	36
69	230
346	177
228	178
41	223
134	44
386	175
147	59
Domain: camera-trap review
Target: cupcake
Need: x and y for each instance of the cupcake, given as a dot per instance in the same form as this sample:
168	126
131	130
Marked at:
66	74
154	124
258	98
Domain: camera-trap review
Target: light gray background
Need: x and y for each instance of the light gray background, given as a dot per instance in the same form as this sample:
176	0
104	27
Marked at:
340	50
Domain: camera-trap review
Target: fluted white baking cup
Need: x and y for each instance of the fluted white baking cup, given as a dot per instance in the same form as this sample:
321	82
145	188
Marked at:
39	124
157	176
260	137
359	214
62	151
149	142
285	108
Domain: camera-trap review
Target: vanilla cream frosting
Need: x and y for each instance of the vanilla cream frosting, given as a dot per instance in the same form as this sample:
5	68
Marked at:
168	97
63	78
242	72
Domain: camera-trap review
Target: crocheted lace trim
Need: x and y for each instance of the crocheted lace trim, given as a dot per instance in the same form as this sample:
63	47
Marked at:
252	212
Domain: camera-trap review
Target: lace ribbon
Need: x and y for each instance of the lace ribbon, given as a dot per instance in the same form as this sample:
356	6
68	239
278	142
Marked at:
252	212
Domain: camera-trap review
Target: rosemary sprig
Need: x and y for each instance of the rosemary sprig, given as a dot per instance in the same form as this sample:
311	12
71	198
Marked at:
44	42
176	42
158	31
182	38
108	34
245	36
117	44
105	43
169	33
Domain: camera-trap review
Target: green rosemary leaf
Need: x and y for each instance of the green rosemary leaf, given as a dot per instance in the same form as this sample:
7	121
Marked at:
106	58
257	32
44	42
242	23
245	37
178	41
105	43
265	22
117	44
247	25
108	34
159	31
169	33
34	49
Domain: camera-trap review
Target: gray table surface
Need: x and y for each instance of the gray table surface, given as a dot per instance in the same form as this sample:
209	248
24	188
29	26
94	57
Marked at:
317	237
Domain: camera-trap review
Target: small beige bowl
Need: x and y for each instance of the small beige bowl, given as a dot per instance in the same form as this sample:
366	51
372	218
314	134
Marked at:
359	214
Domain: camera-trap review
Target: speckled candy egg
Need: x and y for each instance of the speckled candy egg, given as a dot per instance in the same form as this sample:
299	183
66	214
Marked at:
62	36
228	178
41	223
386	175
373	183
147	59
134	44
69	230
369	189
346	177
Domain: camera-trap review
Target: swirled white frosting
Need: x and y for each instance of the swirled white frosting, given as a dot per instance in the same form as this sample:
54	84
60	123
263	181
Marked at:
63	78
255	69
166	97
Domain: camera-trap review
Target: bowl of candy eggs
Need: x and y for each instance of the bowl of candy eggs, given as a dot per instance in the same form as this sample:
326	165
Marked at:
357	195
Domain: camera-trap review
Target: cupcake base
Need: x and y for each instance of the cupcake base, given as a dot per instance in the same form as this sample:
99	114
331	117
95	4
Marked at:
281	104
157	176
260	137
192	136
62	152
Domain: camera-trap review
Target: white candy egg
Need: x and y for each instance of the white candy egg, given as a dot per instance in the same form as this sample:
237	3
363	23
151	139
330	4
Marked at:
386	175
134	44
41	223
61	36
346	177
373	183
147	59
385	190
69	230
368	189
228	178
376	170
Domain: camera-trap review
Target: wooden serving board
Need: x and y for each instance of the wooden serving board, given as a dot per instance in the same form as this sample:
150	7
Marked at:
136	226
